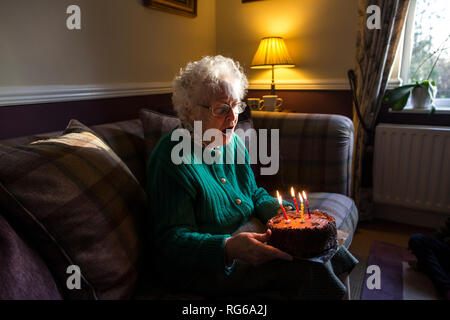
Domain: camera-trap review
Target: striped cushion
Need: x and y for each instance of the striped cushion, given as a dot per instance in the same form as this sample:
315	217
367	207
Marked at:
315	151
80	205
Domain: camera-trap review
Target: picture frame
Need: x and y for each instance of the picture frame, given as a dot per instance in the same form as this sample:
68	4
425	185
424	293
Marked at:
186	8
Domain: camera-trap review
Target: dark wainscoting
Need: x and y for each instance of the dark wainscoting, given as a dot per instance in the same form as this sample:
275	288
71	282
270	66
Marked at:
22	120
313	101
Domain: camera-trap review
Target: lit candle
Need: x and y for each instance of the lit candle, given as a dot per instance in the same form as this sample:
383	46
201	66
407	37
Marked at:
301	206
307	204
295	199
280	201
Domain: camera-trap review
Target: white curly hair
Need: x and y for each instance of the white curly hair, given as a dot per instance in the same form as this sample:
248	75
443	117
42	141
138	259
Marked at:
201	81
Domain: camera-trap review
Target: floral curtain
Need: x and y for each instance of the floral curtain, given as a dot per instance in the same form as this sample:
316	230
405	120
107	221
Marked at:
375	53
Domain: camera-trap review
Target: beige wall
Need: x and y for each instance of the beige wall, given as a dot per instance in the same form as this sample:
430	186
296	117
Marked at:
121	41
320	35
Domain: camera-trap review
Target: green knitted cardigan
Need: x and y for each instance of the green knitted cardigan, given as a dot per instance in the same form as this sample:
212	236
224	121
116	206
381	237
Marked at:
195	207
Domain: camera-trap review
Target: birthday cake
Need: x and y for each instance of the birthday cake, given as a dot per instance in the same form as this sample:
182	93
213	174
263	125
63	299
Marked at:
303	239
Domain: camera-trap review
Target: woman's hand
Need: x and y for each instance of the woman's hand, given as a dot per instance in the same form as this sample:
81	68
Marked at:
250	248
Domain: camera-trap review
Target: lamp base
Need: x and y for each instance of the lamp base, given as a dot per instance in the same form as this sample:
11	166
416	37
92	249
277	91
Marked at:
272	89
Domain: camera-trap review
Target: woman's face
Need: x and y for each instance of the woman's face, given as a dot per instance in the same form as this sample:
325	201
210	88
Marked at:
225	124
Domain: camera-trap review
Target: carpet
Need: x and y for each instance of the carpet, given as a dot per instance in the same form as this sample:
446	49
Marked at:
398	280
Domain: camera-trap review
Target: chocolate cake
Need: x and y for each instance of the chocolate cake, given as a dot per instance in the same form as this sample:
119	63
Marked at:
305	239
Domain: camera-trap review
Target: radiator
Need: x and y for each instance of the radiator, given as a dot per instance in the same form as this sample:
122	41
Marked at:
412	167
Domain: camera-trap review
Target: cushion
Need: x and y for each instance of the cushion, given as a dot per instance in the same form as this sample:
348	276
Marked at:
126	139
80	205
30	138
23	274
156	125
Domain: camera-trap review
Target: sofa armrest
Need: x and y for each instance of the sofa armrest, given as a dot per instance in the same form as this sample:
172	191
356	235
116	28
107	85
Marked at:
316	151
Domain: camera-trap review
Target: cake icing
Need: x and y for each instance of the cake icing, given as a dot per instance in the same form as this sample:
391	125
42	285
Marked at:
304	239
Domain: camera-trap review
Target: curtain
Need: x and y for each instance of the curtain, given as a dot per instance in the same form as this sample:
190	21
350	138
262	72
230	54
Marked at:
375	53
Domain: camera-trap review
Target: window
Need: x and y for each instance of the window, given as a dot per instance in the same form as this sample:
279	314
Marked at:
427	39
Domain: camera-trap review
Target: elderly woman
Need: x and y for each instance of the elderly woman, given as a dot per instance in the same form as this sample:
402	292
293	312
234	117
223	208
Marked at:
196	207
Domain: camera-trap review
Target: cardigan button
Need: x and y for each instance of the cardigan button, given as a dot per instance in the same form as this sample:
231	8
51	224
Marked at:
238	201
223	180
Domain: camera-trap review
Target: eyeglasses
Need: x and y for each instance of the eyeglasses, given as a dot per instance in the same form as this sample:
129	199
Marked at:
223	109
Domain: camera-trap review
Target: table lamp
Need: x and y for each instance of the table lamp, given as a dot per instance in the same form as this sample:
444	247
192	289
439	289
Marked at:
272	53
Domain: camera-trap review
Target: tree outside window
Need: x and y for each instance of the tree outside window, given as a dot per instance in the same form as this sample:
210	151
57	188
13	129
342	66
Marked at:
431	35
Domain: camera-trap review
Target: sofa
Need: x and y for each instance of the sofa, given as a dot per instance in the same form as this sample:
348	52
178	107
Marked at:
73	221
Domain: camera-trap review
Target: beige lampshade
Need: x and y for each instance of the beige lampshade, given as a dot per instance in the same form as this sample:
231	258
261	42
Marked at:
272	51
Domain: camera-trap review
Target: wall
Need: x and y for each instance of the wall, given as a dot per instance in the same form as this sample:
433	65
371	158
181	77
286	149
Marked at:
120	42
320	36
125	49
123	59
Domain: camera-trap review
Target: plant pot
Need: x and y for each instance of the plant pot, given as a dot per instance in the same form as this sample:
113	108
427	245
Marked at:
420	97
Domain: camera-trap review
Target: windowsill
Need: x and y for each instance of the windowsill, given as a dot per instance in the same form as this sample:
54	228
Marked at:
442	106
409	109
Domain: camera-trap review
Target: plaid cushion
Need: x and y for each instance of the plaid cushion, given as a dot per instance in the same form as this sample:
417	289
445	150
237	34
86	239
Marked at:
155	125
315	151
28	139
126	138
80	205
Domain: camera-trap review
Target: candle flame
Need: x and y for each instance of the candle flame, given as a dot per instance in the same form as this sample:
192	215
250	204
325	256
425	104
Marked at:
304	195
301	198
292	192
280	201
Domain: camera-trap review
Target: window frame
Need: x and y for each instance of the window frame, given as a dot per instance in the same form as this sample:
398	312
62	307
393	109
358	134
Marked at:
441	104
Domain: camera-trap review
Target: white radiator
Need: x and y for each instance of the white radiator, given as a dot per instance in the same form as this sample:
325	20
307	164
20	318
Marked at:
412	167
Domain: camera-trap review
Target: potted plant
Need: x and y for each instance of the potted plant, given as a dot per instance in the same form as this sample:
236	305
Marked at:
422	93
